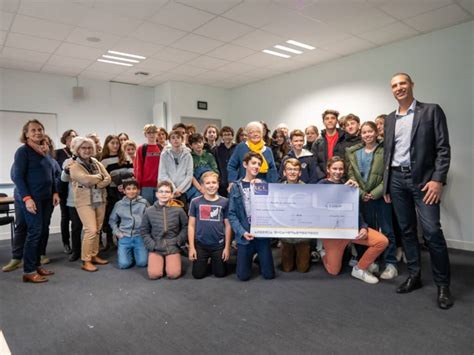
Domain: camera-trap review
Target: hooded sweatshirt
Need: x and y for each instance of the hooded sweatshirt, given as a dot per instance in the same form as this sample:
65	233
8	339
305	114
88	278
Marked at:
177	168
126	217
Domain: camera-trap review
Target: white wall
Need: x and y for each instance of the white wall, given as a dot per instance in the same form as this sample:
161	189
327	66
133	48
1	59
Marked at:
181	99
106	109
441	64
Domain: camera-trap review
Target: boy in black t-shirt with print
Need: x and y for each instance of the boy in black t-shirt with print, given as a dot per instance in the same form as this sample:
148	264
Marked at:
209	231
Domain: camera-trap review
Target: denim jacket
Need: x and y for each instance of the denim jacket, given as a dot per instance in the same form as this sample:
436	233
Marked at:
237	215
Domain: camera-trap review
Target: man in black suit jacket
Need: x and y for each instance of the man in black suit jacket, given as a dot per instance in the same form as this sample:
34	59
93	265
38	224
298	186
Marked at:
417	157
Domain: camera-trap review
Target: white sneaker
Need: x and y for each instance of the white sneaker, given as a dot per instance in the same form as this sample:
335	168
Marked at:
373	268
364	275
390	272
399	254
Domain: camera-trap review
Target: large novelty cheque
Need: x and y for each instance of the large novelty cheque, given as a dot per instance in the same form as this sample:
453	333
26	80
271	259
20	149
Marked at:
304	211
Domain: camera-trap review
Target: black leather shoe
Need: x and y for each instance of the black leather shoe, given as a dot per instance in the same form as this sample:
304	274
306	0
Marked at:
445	300
74	257
67	249
411	284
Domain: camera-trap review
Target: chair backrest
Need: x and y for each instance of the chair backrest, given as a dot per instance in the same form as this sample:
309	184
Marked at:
4	208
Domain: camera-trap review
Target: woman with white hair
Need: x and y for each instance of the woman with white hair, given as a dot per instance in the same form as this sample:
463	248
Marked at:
89	179
254	143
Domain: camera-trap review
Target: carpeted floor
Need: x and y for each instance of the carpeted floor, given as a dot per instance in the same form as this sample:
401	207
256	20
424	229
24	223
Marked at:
121	312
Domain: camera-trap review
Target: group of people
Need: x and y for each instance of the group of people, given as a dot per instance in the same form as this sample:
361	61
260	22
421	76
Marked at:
185	189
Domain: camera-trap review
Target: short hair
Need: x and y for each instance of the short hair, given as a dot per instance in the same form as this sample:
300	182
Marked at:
383	116
351	117
66	135
166	183
179	125
150	128
208	127
248	156
254	124
371	124
208	174
227	129
127	143
24	130
296	133
314	128
176	133
129	182
330	112
335	159
92	136
78	141
292	162
195	138
404	74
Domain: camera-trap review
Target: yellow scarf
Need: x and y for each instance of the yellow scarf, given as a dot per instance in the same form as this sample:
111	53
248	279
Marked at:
258	148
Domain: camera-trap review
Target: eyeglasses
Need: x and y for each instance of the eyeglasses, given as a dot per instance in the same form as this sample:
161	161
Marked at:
292	170
86	148
164	191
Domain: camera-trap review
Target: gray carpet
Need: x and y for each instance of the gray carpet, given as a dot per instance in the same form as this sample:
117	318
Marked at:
121	312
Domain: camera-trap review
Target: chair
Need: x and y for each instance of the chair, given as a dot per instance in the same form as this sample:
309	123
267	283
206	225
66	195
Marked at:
5	209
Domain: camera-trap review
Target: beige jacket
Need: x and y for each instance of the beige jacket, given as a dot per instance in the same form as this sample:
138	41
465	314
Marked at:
83	182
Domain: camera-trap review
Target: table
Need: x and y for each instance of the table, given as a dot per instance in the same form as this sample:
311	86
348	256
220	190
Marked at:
8	200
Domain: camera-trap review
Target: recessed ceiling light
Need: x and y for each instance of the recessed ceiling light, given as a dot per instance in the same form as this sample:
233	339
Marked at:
113	62
118	58
288	49
299	44
276	53
127	54
93	39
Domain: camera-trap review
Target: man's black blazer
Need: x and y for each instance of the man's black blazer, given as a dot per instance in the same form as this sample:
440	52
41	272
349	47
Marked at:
430	152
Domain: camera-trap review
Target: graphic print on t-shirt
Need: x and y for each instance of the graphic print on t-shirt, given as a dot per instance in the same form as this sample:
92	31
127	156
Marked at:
210	213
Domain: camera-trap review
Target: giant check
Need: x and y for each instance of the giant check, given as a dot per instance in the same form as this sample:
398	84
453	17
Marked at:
304	211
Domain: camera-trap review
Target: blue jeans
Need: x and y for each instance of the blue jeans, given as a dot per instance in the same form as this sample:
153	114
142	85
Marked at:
407	198
131	249
37	226
149	194
245	254
378	215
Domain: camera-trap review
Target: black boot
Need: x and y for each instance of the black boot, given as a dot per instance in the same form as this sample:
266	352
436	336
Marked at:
445	300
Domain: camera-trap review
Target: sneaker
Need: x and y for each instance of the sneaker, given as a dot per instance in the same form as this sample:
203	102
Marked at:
364	275
12	265
44	260
373	268
390	272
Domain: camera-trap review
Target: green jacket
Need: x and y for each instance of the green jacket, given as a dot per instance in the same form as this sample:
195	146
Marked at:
374	183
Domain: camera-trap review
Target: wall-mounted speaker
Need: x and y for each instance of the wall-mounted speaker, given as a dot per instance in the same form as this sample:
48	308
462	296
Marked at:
78	93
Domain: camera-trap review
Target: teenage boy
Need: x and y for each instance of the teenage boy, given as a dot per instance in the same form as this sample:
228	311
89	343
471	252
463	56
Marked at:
240	220
352	128
294	251
147	163
125	221
308	166
209	231
202	161
222	154
331	142
176	165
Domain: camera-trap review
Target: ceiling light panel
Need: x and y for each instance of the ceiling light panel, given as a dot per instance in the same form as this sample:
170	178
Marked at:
288	49
278	54
299	44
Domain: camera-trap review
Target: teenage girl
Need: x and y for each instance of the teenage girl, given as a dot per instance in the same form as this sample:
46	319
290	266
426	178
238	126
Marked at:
333	249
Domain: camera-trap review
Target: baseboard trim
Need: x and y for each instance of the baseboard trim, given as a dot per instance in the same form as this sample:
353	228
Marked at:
460	244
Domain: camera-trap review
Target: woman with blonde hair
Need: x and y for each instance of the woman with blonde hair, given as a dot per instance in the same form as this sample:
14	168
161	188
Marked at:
89	180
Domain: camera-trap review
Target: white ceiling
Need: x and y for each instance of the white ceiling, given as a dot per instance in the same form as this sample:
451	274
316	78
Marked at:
211	42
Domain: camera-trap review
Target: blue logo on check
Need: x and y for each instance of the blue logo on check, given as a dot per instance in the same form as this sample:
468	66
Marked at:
261	189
